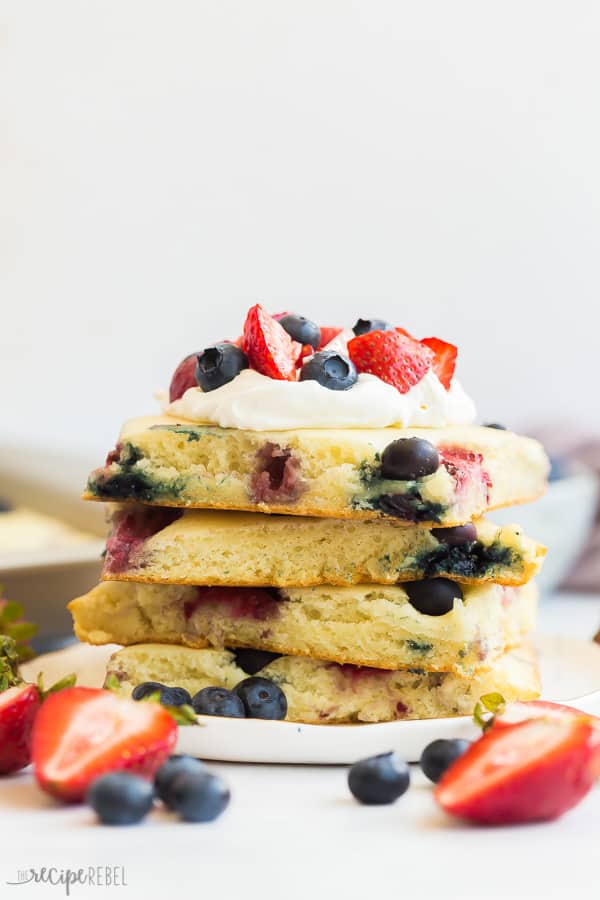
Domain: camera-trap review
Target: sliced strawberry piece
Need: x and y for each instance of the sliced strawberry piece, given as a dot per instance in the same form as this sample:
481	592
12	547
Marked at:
81	733
307	350
444	363
395	358
268	346
405	333
533	771
18	709
184	377
328	333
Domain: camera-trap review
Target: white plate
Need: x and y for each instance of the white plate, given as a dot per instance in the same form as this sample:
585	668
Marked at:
570	674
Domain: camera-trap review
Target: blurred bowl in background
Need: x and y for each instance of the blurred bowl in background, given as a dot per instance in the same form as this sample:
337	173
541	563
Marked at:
562	520
44	579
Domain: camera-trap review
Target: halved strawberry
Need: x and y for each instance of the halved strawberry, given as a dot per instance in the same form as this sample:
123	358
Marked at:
268	346
328	333
394	357
533	771
523	710
18	709
444	362
82	732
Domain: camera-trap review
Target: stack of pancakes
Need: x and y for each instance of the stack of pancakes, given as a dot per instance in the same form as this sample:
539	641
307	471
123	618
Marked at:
294	555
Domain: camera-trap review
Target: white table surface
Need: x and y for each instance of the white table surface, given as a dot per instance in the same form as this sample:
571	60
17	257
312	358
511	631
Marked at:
296	832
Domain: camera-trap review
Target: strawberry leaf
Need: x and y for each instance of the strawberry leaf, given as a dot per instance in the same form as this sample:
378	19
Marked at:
112	683
66	681
488	706
9	663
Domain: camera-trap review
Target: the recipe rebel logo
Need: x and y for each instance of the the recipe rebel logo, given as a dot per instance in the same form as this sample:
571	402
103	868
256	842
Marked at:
90	876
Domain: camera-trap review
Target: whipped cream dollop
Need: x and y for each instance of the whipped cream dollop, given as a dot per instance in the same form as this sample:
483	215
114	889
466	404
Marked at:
257	403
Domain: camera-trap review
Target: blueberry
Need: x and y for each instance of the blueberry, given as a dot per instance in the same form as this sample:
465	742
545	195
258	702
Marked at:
174	766
457	536
379	779
433	596
407	459
175	696
252	661
495	425
219	364
198	796
440	754
216	701
146	688
169	696
302	330
331	369
262	699
363	326
119	798
5	505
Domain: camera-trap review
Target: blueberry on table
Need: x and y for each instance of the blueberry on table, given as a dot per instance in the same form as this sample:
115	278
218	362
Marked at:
118	798
219	365
198	796
407	459
174	766
216	701
456	536
363	326
262	699
330	369
379	779
252	661
439	756
146	688
433	596
496	425
302	330
169	696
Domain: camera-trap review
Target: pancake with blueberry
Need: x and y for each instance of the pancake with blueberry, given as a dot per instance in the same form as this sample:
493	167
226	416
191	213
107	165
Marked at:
293	418
435	624
208	547
316	691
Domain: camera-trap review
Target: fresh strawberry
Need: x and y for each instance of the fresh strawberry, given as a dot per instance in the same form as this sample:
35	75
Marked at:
307	350
444	362
19	703
81	733
395	358
328	333
184	377
523	710
533	771
18	709
268	346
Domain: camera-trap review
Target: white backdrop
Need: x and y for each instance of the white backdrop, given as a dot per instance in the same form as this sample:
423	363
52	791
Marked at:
165	164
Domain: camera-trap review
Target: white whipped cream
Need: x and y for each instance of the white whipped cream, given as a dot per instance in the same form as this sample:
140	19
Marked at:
257	403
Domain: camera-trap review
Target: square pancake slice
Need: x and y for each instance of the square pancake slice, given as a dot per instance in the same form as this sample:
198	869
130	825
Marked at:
334	473
322	693
364	625
208	547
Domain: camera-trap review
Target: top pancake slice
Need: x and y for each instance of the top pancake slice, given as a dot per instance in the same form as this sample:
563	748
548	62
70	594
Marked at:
210	547
309	472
